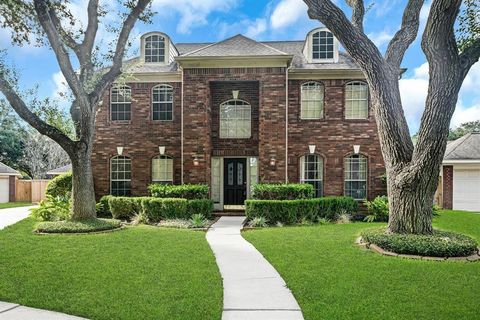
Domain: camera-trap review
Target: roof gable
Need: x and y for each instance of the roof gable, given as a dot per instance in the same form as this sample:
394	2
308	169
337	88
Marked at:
464	148
7	171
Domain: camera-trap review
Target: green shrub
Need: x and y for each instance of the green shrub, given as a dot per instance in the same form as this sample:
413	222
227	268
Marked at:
77	226
198	221
174	208
288	191
103	208
258	222
60	186
377	209
200	206
439	244
52	209
185	191
123	207
152	209
293	211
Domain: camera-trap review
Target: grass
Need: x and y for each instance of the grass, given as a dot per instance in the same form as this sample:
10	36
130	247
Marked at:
93	225
14	205
140	272
332	278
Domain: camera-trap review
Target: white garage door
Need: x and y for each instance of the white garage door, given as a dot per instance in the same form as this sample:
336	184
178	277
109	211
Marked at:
466	189
3	189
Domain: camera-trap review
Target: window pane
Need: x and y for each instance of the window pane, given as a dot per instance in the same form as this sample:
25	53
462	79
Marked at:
154	49
120	176
356	100
311	172
235	119
356	177
322	45
312	100
162	102
120	103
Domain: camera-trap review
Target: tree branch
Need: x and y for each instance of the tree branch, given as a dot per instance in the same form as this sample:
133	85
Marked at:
358	13
470	56
21	108
406	35
116	68
65	36
86	48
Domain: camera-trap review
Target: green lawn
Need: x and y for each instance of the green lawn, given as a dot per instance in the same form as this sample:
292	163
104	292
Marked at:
139	273
14	205
332	278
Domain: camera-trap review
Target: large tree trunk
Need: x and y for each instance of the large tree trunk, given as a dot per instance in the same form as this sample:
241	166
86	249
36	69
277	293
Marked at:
83	192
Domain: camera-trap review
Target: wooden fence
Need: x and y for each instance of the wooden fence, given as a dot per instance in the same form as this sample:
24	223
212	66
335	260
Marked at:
31	190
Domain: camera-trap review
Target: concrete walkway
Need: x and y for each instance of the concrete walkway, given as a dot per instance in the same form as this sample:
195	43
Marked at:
13	311
13	215
252	288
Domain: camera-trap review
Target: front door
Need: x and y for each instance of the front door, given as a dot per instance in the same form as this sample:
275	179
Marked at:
235	181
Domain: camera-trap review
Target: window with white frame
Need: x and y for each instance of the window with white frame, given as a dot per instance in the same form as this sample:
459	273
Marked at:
120	176
162	170
235	119
356	176
154	50
356	100
323	45
312	97
311	172
120	103
162	102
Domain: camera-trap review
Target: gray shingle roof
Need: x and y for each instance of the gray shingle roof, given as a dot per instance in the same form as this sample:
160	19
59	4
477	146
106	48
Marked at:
7	171
464	148
60	170
238	45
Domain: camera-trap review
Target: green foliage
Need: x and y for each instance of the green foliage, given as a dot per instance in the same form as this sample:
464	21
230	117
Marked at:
198	221
174	208
258	222
343	218
123	207
439	244
293	211
152	209
463	129
84	226
288	191
200	206
468	24
377	209
103	208
52	209
175	223
12	136
185	191
61	185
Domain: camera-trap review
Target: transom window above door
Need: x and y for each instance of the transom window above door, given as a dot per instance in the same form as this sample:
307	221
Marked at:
312	100
162	102
235	119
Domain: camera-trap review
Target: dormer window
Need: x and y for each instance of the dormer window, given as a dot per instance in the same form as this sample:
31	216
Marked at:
154	48
322	45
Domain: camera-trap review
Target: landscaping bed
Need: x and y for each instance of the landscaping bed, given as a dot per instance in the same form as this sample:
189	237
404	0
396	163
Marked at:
84	226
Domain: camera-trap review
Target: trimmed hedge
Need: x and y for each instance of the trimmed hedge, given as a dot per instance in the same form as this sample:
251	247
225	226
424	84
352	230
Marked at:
60	186
156	209
439	244
286	191
185	191
293	211
103	208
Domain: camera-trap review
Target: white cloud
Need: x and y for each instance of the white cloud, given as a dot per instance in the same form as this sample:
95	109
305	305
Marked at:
61	86
256	27
464	114
380	38
287	12
472	80
192	13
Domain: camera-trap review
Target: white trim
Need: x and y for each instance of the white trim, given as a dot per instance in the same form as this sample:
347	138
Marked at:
473	161
308	47
167	44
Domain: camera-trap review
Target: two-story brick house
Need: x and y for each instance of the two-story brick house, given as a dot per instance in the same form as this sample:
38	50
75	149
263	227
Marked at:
237	112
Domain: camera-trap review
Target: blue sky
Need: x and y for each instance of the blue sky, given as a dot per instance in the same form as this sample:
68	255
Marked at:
214	20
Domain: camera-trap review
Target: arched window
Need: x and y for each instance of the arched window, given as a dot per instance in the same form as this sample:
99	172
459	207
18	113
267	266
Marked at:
162	102
235	119
311	171
356	176
120	103
154	48
312	95
120	176
322	45
356	100
162	169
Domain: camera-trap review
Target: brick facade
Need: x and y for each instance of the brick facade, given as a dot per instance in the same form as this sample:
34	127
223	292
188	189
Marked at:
264	88
447	187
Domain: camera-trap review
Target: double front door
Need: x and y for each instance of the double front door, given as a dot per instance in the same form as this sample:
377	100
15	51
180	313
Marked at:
235	181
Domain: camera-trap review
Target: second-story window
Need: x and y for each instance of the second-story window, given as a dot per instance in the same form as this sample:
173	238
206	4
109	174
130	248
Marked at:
312	100
322	45
235	119
162	102
154	48
120	103
356	100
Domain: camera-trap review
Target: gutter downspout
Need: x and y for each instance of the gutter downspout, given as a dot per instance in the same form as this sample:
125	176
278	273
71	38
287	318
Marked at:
286	122
181	129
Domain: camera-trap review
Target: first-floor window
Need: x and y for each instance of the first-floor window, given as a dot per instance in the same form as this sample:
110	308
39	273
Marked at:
311	171
356	176
121	176
162	170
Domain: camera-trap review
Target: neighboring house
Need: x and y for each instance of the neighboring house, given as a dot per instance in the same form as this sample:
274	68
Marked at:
461	174
58	171
237	112
8	179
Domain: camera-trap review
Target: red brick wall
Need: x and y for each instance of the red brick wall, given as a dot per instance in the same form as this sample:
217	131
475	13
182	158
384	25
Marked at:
447	187
334	138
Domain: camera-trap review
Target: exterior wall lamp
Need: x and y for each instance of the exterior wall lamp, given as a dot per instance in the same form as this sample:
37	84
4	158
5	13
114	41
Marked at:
311	148
161	149
356	149
196	161
273	161
119	150
235	94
